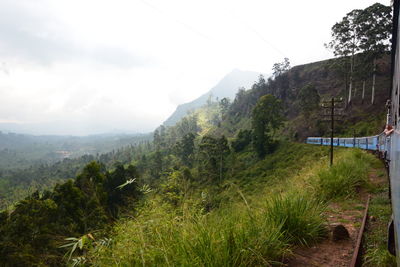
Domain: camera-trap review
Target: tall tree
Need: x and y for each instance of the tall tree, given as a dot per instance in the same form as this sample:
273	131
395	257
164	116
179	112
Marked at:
267	117
224	104
345	42
375	24
281	67
309	98
184	149
187	125
212	155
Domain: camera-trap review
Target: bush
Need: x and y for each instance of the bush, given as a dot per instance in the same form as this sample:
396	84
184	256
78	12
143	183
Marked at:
300	218
242	140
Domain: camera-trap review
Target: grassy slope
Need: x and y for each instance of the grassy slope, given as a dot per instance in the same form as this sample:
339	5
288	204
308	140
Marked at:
254	223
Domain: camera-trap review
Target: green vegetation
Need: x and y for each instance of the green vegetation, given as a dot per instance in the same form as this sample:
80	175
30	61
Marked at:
16	184
33	231
21	151
300	217
345	178
247	227
375	244
309	98
188	237
267	117
222	187
366	31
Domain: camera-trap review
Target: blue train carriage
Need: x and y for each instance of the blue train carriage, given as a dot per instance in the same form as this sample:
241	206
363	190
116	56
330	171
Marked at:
370	142
393	145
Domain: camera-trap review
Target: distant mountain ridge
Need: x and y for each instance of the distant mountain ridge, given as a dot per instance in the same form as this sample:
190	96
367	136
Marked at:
227	87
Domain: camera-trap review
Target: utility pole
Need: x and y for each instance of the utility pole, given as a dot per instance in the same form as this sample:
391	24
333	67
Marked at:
333	108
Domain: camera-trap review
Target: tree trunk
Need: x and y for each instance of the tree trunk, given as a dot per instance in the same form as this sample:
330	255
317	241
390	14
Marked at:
350	87
220	168
346	84
351	77
373	83
355	91
363	93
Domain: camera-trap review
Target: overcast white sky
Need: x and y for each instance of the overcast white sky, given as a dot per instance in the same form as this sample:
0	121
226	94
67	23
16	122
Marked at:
94	66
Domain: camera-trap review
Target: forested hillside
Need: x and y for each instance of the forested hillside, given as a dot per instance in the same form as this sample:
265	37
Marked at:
26	171
19	151
301	89
227	185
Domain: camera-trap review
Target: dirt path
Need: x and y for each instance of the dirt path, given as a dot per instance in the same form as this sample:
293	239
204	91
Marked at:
331	253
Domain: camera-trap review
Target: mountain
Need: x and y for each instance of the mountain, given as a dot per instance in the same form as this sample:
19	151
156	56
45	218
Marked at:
227	87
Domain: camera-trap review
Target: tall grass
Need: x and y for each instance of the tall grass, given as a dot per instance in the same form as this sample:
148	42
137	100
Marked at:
375	243
235	236
345	178
300	217
229	238
258	228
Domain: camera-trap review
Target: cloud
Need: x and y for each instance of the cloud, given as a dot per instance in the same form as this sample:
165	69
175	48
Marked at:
33	35
95	65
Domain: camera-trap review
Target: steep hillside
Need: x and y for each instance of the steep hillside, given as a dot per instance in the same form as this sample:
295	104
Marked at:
360	117
227	87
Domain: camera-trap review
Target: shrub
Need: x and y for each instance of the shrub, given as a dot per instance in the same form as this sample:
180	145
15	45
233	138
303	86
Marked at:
300	218
242	140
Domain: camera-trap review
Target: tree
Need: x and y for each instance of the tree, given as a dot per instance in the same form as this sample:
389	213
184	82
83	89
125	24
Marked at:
117	196
345	42
174	188
243	139
309	98
187	125
90	182
157	138
156	164
363	72
213	153
29	233
375	23
184	149
224	104
365	31
267	117
281	67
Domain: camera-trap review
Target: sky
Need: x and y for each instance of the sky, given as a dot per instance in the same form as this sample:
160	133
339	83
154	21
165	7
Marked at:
82	67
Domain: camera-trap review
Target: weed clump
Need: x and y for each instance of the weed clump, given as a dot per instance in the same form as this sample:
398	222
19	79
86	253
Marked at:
299	217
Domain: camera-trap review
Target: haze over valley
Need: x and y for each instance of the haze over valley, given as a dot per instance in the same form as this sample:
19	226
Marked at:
94	67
